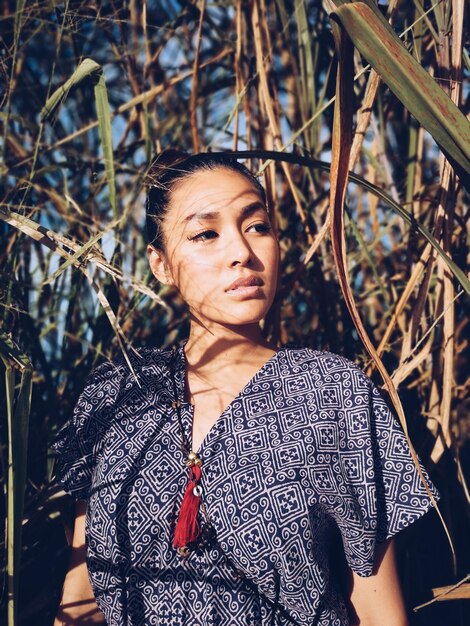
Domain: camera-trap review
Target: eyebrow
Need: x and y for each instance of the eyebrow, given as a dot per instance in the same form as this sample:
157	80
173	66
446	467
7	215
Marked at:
211	215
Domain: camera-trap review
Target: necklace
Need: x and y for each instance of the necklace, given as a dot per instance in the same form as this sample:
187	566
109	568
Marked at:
189	534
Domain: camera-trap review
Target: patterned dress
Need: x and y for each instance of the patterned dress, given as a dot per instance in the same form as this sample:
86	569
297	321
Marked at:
306	468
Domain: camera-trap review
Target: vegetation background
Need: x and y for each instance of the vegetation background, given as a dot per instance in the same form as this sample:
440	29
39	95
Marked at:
91	90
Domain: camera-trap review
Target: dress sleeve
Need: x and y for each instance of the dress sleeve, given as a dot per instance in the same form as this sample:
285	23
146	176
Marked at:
78	442
381	490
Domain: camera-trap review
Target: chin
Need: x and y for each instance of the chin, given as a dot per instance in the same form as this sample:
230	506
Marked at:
237	316
242	322
245	318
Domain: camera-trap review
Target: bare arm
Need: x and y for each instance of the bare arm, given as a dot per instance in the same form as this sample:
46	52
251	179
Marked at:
377	600
78	605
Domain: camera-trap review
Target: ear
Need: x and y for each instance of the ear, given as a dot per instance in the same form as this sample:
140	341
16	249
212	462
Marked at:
159	265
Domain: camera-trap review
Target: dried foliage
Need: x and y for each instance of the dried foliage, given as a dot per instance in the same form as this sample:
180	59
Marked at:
92	90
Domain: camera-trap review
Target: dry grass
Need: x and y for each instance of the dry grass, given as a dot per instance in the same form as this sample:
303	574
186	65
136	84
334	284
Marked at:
74	281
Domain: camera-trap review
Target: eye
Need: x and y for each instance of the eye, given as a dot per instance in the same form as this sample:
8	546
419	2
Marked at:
205	235
261	227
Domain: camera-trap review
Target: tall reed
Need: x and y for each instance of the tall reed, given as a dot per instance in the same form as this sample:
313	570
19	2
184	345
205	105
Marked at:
92	90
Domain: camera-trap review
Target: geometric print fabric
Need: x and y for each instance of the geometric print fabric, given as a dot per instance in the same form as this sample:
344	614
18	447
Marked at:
306	458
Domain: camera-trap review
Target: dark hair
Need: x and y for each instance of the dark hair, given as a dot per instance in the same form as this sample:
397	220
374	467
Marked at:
171	167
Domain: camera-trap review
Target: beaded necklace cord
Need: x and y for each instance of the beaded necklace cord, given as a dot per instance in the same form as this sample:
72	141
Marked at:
189	535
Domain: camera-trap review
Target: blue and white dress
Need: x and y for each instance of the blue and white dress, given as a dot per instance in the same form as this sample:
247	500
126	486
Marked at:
306	459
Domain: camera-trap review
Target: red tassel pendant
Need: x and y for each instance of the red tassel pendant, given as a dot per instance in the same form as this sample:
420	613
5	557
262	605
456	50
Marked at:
187	528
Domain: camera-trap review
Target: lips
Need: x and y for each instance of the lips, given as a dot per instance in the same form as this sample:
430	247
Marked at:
248	281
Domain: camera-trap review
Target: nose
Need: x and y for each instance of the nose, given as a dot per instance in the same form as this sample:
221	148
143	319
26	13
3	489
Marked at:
238	251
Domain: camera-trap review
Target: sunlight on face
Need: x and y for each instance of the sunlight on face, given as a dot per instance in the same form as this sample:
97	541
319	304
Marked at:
217	232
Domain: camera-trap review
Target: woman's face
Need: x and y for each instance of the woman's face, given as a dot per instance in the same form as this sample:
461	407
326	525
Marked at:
220	250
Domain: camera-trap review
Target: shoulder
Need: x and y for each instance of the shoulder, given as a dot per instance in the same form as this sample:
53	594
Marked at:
324	363
140	367
126	382
138	359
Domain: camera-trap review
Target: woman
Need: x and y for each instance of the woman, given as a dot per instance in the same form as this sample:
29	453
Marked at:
234	481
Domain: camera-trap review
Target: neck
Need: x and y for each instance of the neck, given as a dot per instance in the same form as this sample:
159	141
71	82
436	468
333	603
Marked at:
211	347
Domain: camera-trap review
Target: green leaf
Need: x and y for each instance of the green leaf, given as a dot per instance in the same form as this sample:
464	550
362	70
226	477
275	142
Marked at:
17	414
10	349
416	89
87	68
305	53
104	122
18	16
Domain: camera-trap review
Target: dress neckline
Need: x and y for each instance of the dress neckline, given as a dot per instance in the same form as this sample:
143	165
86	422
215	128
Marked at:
180	381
